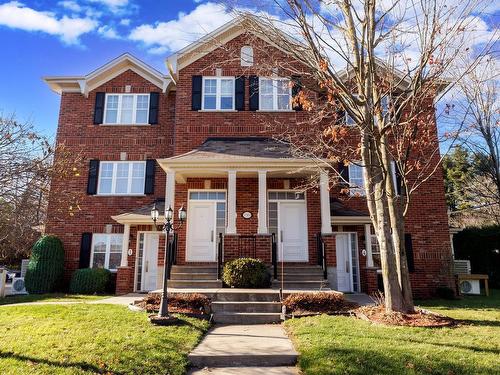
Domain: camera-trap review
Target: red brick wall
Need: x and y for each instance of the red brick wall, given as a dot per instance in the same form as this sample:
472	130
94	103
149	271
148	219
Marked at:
81	137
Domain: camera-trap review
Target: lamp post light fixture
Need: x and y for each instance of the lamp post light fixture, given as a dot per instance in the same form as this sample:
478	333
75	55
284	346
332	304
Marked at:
163	318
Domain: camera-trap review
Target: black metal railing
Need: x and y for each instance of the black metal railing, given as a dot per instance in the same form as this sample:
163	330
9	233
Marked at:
247	247
220	247
274	256
171	253
321	248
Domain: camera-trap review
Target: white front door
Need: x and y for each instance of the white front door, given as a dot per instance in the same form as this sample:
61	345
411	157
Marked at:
344	261
201	232
293	232
150	261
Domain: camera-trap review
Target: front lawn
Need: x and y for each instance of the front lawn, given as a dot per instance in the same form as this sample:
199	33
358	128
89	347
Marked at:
87	338
50	297
343	345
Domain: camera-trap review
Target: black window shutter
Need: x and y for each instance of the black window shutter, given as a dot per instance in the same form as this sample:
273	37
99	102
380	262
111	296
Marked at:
85	250
397	173
149	182
344	173
239	92
93	177
154	101
253	91
99	108
196	93
409	252
296	88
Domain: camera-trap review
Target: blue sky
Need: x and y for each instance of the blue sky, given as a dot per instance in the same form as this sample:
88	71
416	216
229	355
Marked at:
40	38
74	37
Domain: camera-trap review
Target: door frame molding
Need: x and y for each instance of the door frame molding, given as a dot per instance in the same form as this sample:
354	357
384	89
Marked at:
136	260
350	258
298	201
214	202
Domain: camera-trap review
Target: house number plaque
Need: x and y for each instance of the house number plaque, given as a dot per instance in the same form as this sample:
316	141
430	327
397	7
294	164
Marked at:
246	215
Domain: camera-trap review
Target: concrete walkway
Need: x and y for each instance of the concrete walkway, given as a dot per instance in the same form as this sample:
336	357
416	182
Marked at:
234	349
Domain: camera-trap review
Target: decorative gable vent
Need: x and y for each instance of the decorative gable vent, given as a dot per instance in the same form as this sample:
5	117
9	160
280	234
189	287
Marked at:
246	56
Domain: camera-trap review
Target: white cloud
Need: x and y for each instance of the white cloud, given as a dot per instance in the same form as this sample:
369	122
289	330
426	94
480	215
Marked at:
108	32
125	22
71	5
17	16
112	4
188	27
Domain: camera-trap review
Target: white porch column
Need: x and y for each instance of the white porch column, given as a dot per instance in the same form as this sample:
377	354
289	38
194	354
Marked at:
231	202
368	244
324	195
170	192
262	215
125	241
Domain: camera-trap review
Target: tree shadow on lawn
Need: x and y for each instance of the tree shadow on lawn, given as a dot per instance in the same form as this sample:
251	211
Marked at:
366	361
76	365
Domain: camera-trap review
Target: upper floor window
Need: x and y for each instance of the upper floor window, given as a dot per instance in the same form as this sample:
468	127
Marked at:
356	180
121	178
106	251
218	93
275	94
130	109
246	56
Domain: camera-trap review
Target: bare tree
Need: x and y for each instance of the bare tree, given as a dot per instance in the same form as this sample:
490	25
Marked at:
383	65
27	167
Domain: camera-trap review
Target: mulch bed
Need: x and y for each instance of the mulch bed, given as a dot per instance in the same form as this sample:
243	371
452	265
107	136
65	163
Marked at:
190	304
421	318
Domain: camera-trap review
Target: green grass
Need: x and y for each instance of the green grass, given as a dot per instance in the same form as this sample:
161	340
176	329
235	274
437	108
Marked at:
343	345
86	338
51	297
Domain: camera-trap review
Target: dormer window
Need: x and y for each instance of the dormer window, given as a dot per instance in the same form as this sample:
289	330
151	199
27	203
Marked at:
246	56
126	109
218	93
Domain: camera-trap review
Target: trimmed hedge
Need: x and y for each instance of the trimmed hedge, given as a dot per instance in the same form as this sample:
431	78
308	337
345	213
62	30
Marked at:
482	247
46	266
321	302
90	281
246	273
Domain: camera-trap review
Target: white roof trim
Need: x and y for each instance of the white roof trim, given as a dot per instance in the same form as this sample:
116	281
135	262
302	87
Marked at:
137	219
89	82
340	220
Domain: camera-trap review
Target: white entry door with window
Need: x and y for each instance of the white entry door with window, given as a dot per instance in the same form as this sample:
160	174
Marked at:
347	262
288	220
207	215
150	262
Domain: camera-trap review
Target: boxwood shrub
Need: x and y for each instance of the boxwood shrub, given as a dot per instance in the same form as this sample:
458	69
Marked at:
46	266
90	281
246	273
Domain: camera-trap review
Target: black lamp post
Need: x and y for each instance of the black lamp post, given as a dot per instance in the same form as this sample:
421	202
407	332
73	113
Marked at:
166	227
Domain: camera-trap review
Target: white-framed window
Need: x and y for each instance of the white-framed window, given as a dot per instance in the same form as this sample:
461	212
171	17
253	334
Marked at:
126	109
121	177
246	56
106	251
218	93
275	94
356	180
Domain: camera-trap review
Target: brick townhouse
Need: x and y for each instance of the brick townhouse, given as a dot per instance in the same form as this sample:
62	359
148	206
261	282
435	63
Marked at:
197	138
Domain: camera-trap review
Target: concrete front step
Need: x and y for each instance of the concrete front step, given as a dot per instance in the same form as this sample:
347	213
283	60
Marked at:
193	276
247	295
246	318
301	284
195	284
246	307
194	269
301	276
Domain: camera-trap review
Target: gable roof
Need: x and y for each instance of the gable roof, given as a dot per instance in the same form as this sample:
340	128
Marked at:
103	74
213	40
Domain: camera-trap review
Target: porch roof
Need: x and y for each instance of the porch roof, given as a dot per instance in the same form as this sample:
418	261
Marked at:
217	155
141	215
342	214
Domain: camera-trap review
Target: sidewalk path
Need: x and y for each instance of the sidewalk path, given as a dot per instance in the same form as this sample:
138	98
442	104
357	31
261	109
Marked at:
244	349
